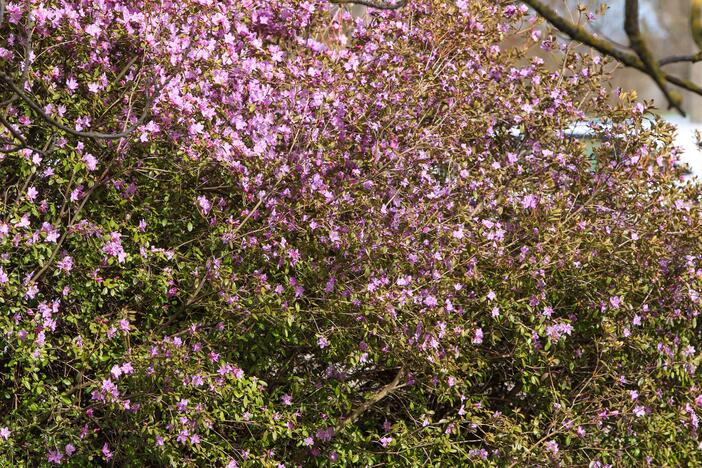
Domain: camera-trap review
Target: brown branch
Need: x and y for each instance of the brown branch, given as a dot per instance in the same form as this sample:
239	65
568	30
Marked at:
638	44
14	132
692	58
18	136
95	135
382	393
580	34
377	4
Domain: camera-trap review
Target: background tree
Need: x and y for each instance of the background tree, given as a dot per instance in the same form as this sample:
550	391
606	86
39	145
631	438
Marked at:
638	53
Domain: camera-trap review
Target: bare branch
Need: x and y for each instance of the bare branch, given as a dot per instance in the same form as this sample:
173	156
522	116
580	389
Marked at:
382	393
96	135
2	10
11	129
692	58
638	43
580	34
377	4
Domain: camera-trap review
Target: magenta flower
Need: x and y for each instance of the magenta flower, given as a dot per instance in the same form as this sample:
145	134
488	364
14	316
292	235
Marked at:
65	264
54	457
615	301
107	453
478	336
430	301
32	193
90	162
204	204
529	201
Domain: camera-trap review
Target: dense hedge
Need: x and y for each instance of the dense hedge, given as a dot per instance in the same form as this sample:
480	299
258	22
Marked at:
244	233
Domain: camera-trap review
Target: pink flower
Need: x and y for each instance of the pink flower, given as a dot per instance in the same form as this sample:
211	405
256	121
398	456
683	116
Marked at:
430	301
32	193
23	222
90	161
385	441
5	433
106	451
204	204
93	29
55	457
478	336
552	446
116	371
65	264
77	193
615	301
71	84
529	202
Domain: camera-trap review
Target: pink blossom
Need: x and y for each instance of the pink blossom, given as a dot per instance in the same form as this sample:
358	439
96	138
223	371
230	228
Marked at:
529	201
204	204
478	336
65	264
106	451
32	193
615	301
54	457
90	161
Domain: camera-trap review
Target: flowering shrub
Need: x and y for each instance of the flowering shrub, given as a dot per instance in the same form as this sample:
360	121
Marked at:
239	233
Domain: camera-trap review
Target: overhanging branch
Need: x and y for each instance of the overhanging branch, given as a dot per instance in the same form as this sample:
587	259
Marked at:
377	4
639	45
580	34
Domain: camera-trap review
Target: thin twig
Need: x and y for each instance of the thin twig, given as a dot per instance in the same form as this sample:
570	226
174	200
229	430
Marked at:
638	43
95	135
580	34
385	391
377	4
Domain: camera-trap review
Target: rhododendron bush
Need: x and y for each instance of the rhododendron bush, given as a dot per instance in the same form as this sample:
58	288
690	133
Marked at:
248	233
